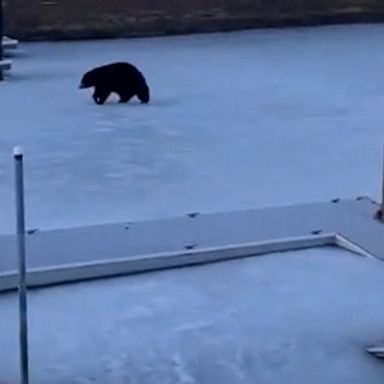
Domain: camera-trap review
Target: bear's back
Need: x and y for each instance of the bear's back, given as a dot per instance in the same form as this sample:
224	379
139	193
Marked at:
120	72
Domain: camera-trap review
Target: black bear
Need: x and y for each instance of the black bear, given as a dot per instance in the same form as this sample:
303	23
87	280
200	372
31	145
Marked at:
121	78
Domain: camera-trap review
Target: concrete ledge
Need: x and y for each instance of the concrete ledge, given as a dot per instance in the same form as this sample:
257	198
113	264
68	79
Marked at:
152	262
69	255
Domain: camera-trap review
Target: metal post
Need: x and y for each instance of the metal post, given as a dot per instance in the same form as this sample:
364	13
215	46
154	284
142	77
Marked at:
20	227
1	36
381	214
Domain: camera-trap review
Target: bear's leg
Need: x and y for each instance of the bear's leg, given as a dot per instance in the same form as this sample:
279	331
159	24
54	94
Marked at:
100	95
125	96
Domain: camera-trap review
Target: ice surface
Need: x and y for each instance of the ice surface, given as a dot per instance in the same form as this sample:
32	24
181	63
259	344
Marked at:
300	317
237	120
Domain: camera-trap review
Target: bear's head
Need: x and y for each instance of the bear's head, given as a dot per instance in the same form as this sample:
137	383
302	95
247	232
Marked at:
143	94
88	80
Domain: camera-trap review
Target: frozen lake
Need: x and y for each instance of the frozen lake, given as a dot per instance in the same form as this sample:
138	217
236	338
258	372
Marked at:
238	120
300	317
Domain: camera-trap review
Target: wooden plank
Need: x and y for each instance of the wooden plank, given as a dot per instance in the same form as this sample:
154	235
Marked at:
5	65
9	43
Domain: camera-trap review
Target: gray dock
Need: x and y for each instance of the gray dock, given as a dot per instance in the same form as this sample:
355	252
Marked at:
69	255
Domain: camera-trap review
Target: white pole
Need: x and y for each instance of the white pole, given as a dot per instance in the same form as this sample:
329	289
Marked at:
381	211
1	35
20	229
